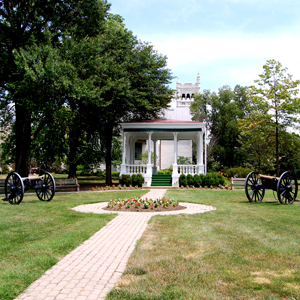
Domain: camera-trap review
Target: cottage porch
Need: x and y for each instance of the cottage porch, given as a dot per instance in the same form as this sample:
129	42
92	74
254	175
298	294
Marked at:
156	130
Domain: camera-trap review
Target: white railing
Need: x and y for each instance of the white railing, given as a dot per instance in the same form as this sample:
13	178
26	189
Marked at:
188	169
136	169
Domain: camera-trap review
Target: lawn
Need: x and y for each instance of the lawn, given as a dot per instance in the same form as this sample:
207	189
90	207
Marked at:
242	250
35	235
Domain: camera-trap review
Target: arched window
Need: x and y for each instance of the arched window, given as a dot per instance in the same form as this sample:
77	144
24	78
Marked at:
188	96
183	96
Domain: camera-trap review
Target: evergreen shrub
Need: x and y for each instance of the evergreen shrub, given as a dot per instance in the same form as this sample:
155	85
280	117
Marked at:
125	179
164	172
190	179
197	180
137	179
182	180
237	172
115	174
140	180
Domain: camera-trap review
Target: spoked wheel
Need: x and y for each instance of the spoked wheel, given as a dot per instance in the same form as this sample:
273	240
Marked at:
45	189
253	188
287	188
14	188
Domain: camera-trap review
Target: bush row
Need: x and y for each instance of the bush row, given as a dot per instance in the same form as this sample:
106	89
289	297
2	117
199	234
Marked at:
165	171
81	171
237	172
135	179
201	180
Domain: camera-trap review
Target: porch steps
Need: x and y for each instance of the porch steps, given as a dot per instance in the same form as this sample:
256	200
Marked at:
161	180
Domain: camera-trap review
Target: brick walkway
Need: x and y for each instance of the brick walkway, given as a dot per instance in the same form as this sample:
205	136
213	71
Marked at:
90	271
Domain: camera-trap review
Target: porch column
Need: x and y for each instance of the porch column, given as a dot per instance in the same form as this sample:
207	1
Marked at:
148	175
149	148
200	153
128	148
154	151
175	175
200	160
123	165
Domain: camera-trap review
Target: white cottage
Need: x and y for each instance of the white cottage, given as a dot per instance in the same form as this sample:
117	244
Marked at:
169	138
157	130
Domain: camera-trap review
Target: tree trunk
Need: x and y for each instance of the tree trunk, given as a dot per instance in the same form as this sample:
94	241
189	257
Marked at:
23	140
108	142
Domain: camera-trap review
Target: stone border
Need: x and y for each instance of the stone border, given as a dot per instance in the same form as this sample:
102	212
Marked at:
191	208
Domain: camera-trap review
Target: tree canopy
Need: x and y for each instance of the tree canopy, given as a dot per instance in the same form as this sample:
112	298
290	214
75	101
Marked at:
221	111
73	68
273	109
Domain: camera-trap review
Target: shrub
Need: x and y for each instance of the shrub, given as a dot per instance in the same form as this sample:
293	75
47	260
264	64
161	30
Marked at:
202	178
208	180
215	178
197	180
125	180
164	172
137	180
237	172
182	180
133	179
190	179
115	174
221	179
5	169
140	180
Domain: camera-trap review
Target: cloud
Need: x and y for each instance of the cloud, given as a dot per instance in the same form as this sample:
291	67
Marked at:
238	57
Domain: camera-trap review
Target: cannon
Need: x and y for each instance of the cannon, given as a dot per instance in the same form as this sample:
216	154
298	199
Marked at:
285	187
15	186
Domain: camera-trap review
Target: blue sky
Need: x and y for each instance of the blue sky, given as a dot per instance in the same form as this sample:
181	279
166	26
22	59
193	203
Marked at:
227	41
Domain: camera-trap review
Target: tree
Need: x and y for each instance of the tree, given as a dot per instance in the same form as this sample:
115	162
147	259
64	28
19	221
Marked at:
257	139
131	80
102	74
276	93
290	156
221	111
25	26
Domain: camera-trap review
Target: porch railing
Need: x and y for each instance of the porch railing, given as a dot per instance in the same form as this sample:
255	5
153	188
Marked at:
188	169
136	169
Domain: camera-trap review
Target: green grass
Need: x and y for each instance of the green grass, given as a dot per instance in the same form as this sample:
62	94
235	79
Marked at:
35	235
242	250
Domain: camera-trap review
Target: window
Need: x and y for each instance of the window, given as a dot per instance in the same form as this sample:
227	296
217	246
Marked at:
138	151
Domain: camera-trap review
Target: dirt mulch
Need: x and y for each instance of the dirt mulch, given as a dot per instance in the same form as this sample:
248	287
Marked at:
160	208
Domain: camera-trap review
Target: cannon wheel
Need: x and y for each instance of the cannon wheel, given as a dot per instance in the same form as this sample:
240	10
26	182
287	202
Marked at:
14	188
287	188
46	189
253	189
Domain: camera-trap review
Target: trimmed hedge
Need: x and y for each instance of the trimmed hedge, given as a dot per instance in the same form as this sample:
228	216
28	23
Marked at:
182	180
237	172
201	180
136	179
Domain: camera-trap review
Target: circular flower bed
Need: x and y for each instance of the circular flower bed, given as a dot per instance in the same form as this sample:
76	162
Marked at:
143	205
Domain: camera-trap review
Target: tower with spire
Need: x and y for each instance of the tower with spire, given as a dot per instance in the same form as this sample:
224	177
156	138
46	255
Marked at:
185	92
180	104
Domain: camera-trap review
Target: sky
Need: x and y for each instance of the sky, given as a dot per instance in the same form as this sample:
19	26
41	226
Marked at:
226	41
